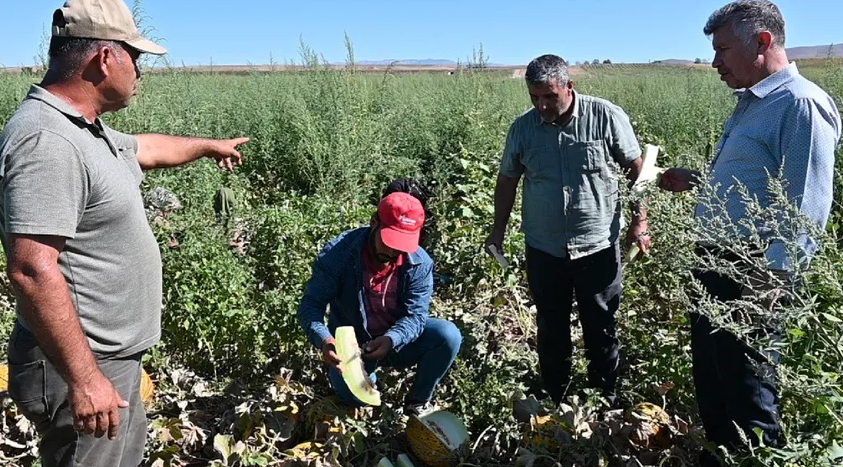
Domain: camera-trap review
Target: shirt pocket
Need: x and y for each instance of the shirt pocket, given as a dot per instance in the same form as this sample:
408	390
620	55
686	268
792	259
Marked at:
588	156
537	159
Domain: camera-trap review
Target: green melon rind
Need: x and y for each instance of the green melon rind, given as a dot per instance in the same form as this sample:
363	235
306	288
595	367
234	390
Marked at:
385	463
403	461
351	364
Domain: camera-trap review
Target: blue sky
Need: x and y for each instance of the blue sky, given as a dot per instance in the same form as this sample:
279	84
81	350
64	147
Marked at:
246	31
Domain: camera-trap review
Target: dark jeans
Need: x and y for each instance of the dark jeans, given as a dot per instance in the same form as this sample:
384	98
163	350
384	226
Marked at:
734	383
434	352
41	394
596	282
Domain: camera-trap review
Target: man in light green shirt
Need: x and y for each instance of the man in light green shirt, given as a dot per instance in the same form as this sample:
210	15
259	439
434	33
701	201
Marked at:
569	147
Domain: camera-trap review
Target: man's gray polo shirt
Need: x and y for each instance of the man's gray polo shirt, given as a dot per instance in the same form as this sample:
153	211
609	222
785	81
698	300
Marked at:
571	204
61	175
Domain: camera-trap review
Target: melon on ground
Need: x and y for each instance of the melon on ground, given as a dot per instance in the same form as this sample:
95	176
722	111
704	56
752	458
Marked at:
147	388
436	438
650	426
4	378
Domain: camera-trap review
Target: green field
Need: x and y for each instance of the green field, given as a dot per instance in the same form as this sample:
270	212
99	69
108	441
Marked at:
324	145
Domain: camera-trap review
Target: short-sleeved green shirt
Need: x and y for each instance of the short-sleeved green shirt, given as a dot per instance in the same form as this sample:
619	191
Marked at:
62	175
571	206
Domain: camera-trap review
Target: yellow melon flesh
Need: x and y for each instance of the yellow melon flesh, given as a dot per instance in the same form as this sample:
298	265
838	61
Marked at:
351	364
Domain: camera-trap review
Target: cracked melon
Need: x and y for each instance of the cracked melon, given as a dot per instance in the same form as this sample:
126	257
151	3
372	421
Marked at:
353	372
436	438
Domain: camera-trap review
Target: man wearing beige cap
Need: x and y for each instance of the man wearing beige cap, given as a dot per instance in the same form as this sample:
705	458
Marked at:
83	261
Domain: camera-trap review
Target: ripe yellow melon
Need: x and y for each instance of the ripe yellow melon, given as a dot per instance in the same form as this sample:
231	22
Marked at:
543	433
650	424
4	378
353	372
436	438
147	388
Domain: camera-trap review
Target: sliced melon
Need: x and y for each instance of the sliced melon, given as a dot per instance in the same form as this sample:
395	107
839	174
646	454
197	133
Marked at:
385	463
353	372
403	461
650	173
437	437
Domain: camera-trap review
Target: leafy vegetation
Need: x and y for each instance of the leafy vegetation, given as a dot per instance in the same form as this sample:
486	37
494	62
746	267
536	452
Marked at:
237	384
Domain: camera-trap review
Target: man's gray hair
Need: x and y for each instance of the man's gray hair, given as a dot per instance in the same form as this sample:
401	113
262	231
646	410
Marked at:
546	69
748	18
69	54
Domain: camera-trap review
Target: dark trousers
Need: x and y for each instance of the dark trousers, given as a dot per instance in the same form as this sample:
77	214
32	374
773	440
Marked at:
596	282
735	384
41	394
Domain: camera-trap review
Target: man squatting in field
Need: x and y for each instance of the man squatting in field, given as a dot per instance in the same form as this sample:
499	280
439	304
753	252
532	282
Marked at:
785	124
380	281
82	258
565	147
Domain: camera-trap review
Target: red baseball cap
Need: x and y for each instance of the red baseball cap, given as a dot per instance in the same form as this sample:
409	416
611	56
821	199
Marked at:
401	218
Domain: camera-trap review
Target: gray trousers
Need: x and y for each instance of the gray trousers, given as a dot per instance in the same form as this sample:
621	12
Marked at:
41	394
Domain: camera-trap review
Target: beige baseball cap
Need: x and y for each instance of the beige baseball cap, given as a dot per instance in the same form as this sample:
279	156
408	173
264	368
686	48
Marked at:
107	20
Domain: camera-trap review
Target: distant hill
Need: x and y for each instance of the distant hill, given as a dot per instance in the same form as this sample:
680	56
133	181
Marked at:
414	62
409	62
814	51
674	61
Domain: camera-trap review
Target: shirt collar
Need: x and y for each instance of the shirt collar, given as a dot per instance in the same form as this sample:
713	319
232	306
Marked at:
774	81
40	94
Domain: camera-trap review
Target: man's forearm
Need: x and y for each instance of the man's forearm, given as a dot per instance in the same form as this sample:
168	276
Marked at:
639	210
633	172
163	151
505	191
49	311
